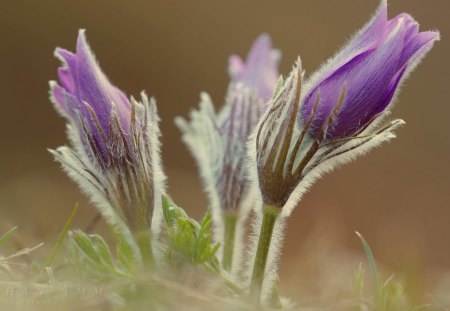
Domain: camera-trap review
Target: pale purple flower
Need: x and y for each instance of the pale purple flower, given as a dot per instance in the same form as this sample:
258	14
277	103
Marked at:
260	70
218	140
114	152
84	89
336	115
218	143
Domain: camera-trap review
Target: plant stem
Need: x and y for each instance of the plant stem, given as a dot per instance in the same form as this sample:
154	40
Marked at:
270	215
144	242
230	221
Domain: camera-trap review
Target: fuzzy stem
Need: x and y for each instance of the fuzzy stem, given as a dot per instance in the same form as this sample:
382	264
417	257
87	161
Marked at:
144	242
230	221
270	215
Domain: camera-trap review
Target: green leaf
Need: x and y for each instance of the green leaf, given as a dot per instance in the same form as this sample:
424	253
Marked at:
371	260
61	237
359	281
102	250
87	246
126	256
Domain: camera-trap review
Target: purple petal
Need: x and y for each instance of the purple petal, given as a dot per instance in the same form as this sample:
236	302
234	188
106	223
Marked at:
342	123
418	46
65	101
366	86
58	96
372	65
369	37
66	79
95	88
85	96
411	26
68	58
372	32
326	106
260	70
235	66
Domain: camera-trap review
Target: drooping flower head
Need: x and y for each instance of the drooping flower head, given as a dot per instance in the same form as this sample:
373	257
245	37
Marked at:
335	116
114	152
218	140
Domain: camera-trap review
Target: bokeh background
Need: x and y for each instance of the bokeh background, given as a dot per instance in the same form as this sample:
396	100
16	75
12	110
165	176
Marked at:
398	196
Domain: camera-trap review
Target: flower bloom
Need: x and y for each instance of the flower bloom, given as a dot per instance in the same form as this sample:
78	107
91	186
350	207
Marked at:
336	115
218	143
114	147
218	140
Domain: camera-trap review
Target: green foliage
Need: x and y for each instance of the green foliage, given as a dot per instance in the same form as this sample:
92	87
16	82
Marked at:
359	282
187	240
126	256
185	248
91	254
388	295
62	236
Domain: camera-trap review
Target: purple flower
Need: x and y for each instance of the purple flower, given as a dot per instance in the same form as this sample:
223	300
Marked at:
218	140
114	152
260	70
85	90
336	116
372	65
309	129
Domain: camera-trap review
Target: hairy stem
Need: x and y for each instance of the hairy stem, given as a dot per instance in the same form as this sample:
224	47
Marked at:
144	242
230	221
270	215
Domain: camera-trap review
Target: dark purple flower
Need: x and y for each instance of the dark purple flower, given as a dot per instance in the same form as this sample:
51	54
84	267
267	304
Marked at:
309	129
336	116
114	152
371	65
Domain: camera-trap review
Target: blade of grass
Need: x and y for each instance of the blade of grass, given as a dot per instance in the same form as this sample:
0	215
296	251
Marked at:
5	237
61	237
372	265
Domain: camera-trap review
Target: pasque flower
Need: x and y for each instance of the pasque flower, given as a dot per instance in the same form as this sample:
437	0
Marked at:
114	141
218	140
336	116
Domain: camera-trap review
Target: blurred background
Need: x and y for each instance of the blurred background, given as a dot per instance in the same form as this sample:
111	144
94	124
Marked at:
398	196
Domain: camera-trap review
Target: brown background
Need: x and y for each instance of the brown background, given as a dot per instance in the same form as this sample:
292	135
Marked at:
398	196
